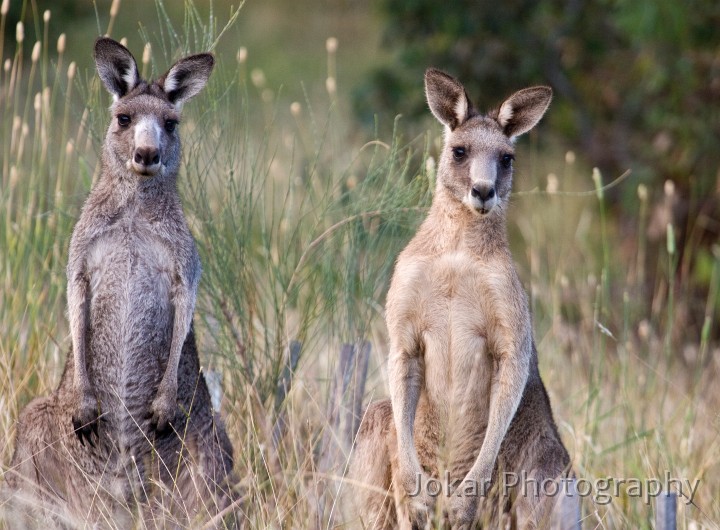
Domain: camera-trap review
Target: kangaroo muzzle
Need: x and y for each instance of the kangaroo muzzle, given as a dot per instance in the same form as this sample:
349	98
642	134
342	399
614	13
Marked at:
482	196
483	192
146	157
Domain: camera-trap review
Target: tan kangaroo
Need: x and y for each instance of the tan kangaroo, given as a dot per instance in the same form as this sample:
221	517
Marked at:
132	418
466	400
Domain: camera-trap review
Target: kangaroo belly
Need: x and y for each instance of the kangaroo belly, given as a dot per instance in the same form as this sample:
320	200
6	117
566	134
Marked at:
451	321
130	321
459	388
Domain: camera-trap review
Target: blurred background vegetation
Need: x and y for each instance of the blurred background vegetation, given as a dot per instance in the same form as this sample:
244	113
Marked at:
637	86
301	184
637	83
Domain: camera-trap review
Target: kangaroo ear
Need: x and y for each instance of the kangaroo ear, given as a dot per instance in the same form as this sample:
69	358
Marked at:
520	112
187	77
116	67
447	98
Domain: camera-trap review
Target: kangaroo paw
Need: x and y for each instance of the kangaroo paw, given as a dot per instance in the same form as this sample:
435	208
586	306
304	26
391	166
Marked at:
85	418
164	410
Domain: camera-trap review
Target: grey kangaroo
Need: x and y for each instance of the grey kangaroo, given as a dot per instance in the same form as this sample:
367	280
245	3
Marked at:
467	402
132	419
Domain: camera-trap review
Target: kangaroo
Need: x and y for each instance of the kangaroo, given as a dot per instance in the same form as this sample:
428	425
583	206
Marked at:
466	399
132	409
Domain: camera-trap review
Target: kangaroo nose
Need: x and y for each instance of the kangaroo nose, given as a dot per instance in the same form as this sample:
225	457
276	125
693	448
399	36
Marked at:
147	156
483	192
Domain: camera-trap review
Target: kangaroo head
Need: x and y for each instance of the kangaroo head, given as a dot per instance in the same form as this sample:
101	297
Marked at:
143	136
477	159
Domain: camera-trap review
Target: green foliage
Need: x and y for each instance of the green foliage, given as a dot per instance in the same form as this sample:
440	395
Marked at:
299	253
299	222
637	82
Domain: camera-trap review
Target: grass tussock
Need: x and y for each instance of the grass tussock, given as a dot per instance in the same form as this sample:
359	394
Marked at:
298	224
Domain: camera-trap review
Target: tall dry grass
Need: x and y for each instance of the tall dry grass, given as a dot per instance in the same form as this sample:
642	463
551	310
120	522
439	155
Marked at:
298	225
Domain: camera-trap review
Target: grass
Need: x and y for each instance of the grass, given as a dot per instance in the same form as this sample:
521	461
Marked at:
299	221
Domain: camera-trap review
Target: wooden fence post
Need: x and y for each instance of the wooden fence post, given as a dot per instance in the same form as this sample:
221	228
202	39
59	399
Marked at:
344	413
282	390
213	380
356	392
345	402
567	513
666	511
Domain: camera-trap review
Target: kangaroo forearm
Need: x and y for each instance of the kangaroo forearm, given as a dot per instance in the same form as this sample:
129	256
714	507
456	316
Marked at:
179	333
181	327
77	310
506	393
405	373
404	393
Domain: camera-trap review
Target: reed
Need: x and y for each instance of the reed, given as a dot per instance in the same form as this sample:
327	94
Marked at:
299	223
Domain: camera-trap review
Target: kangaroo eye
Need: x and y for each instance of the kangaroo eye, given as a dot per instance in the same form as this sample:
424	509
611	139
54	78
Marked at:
506	161
170	125
458	153
123	120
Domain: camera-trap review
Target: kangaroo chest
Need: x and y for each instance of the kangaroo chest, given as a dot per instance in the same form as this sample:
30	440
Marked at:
130	272
444	302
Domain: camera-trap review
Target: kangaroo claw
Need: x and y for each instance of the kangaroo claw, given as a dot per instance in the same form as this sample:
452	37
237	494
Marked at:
85	420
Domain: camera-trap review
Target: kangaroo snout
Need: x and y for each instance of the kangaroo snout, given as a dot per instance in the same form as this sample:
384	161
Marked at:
146	153
147	156
146	160
482	197
483	191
